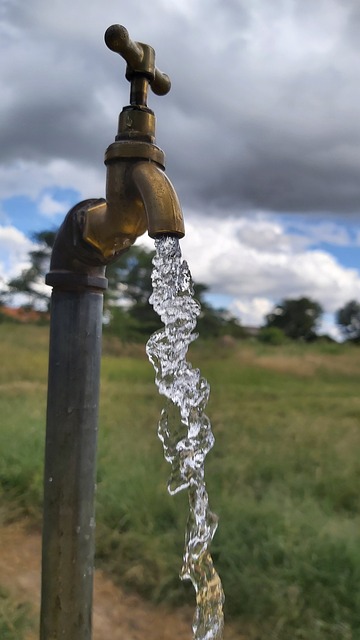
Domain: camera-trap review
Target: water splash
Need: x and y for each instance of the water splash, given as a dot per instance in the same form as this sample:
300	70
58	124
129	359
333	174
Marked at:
184	429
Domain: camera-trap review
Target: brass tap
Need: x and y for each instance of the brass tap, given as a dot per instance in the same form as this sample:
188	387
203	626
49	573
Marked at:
139	195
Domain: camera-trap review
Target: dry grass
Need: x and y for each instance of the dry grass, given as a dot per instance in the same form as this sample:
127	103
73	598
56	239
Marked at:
307	360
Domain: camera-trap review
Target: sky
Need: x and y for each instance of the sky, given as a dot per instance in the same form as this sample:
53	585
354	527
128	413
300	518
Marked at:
261	132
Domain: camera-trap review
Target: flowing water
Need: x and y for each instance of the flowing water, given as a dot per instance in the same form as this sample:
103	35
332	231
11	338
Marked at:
184	429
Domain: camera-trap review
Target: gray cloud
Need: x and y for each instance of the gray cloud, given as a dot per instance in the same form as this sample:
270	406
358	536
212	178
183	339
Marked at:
263	112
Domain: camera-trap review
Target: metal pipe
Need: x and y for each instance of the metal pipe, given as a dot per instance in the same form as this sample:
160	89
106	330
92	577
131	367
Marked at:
69	488
77	276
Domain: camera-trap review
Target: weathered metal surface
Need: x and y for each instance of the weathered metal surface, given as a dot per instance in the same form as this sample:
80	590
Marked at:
70	465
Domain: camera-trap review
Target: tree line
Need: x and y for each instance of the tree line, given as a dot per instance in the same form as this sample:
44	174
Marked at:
128	313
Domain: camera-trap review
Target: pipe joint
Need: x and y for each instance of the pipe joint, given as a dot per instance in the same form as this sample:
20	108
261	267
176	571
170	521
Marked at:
74	264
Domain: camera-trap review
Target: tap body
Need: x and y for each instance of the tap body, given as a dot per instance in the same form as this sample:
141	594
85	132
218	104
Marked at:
139	197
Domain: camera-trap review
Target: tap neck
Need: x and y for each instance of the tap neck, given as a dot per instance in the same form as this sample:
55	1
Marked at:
136	122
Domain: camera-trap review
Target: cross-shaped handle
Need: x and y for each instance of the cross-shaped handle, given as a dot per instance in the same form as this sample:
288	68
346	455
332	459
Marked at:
140	60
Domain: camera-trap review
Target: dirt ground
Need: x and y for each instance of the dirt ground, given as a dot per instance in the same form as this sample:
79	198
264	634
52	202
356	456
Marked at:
117	615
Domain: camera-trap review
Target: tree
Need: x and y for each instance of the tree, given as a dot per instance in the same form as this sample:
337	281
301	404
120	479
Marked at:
127	297
348	318
130	276
298	319
30	283
130	288
213	323
127	308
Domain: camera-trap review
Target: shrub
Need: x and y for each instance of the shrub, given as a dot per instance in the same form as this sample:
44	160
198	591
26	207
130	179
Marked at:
272	335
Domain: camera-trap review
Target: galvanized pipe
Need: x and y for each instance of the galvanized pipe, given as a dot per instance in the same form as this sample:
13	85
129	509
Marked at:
70	465
77	275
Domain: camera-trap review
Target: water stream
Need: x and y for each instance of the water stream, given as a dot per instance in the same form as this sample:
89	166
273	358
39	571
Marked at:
184	429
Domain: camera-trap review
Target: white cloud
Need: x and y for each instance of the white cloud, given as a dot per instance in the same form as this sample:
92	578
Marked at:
31	178
264	233
252	311
14	258
280	81
256	273
326	231
327	327
14	249
357	238
4	217
50	207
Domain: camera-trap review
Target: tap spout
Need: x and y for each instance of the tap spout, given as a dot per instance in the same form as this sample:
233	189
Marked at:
160	201
139	197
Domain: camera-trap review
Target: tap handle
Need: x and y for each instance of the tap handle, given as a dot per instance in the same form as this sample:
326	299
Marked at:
140	58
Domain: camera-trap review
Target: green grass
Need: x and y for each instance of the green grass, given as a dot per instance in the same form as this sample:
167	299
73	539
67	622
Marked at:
14	618
283	477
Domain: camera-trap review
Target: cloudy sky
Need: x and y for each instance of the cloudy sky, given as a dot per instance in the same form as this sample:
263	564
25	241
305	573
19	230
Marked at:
261	132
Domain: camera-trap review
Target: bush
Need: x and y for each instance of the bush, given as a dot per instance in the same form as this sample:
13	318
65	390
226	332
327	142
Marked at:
272	335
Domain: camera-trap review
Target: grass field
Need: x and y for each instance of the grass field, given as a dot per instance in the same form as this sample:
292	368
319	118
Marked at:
13	618
283	477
